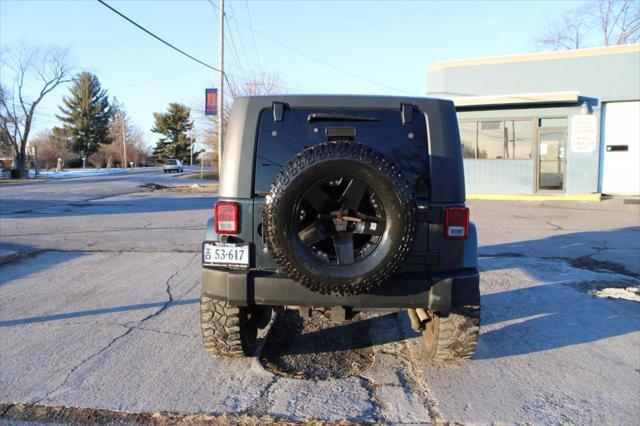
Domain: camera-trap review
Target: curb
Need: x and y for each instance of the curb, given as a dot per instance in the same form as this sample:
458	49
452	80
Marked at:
536	197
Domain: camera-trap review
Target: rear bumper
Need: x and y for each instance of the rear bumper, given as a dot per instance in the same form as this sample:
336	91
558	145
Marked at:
437	292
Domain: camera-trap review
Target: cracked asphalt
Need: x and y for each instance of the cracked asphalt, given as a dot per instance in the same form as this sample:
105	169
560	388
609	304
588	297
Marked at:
99	321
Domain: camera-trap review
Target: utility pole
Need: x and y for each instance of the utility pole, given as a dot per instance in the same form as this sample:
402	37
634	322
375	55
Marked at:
124	142
191	153
221	88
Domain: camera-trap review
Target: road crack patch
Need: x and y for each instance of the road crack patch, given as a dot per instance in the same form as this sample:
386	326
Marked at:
590	264
376	405
130	328
557	227
583	262
261	407
408	376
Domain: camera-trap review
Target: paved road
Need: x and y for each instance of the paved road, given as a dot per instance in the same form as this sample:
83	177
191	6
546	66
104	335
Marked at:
106	316
25	197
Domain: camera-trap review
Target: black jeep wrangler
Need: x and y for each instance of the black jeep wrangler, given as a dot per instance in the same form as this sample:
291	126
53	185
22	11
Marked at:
352	203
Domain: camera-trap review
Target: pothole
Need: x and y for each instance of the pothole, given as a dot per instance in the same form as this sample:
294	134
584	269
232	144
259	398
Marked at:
153	186
594	265
205	188
317	349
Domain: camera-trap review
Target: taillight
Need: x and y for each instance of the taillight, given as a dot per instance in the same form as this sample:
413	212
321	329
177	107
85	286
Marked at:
226	217
456	223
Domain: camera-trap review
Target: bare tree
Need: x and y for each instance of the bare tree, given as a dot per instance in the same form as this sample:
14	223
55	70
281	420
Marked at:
137	152
567	32
38	69
52	145
593	23
619	21
121	126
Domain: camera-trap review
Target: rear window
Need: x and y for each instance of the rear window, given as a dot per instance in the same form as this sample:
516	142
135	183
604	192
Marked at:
170	162
404	144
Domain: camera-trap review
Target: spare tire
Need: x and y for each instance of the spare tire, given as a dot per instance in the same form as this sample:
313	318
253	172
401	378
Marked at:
339	218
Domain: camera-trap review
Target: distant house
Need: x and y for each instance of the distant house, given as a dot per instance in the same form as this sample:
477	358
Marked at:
563	122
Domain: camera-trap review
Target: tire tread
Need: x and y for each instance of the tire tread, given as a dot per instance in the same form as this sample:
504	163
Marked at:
457	335
221	332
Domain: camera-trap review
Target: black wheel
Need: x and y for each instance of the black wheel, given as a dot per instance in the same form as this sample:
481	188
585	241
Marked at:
339	218
227	330
453	337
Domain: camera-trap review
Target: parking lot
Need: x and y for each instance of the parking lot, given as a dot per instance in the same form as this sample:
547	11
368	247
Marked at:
99	310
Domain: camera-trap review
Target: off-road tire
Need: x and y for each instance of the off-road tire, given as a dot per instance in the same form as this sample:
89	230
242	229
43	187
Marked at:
227	330
311	164
453	337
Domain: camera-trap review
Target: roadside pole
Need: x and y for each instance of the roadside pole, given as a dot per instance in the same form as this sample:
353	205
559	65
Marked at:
191	153
124	143
202	165
221	88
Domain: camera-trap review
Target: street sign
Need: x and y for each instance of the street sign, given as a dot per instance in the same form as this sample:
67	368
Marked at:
211	102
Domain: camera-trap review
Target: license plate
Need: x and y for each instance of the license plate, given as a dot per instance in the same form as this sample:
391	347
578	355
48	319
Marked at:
219	254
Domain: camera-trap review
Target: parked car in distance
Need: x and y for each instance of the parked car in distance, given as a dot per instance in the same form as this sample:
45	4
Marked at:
173	165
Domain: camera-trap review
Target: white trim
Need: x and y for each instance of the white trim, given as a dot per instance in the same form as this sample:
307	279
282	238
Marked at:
520	98
540	56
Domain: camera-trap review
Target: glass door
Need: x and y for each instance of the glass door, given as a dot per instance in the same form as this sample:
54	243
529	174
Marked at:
551	160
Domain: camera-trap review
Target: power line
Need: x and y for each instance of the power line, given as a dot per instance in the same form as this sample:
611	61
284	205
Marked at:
141	83
326	64
161	39
242	45
234	51
312	58
253	37
214	5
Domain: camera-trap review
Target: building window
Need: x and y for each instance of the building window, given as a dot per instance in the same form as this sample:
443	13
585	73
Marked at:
519	135
469	138
497	139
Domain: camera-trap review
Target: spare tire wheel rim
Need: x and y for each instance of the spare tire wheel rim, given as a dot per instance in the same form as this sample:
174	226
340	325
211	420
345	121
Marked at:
339	220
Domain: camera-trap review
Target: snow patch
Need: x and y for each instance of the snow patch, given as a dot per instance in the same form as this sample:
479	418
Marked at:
76	173
628	293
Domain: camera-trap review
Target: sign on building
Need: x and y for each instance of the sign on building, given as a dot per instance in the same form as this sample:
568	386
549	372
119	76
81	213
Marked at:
584	131
211	102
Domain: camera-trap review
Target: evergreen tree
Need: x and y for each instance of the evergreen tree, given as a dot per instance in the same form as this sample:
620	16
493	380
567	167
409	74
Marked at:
86	114
173	127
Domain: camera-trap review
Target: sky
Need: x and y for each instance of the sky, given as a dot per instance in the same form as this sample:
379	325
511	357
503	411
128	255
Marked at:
382	47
